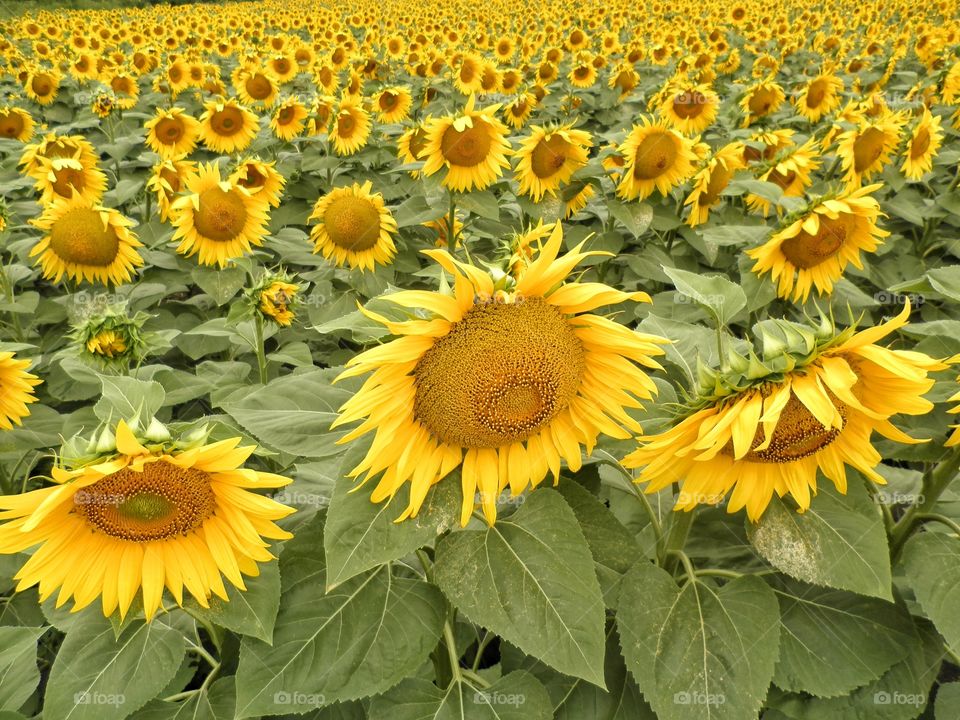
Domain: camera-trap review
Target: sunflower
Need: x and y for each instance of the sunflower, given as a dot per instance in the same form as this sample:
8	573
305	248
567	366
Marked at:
472	146
276	301
623	79
923	146
226	126
468	74
578	201
690	109
411	144
167	180
866	149
53	146
816	247
441	225
770	144
502	383
260	178
354	227
712	180
172	134
321	111
770	433
819	97
954	438
217	219
148	517
790	171
16	124
289	119
68	178
582	73
518	111
126	89
393	103
86	241
16	390
255	87
549	157
761	99
351	127
42	86
657	158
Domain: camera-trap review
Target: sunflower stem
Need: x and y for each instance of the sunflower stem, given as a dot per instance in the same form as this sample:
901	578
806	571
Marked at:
261	356
481	646
7	283
641	496
676	539
450	641
451	225
942	519
935	481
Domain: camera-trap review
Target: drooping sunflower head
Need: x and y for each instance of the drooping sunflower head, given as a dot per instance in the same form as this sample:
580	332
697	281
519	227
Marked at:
226	126
411	144
518	111
504	379
471	146
172	134
289	119
157	515
16	124
923	146
68	178
16	390
111	337
167	180
712	180
813	247
354	227
809	401
260	177
217	220
761	99
624	79
350	127
657	158
52	147
790	170
549	157
276	298
86	241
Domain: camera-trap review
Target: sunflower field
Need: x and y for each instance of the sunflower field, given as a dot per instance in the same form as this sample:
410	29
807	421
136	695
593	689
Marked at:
434	361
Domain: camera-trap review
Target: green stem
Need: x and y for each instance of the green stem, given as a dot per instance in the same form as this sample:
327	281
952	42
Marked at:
942	519
7	282
472	677
641	496
680	524
261	356
451	643
481	646
888	521
452	225
687	565
935	482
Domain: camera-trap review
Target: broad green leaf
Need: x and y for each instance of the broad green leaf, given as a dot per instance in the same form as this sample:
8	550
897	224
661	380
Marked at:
946	280
98	677
479	202
947	706
720	296
932	562
838	542
293	413
218	702
516	696
361	534
530	578
739	235
19	675
360	639
126	398
698	652
220	284
635	217
251	612
859	638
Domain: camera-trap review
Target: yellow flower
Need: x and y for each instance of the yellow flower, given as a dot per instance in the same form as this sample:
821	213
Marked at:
66	178
260	178
172	134
923	146
548	158
289	119
16	124
820	96
167	180
393	103
16	390
503	384
152	519
226	126
761	99
690	108
42	86
108	343
657	158
275	301
865	150
354	227
791	172
351	127
712	180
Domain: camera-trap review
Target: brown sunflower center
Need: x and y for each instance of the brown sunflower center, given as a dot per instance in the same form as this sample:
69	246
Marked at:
549	156
418	141
867	149
920	143
806	251
719	179
222	214
69	180
162	501
346	124
11	124
798	434
467	147
784	180
169	131
501	374
252	179
655	155
42	85
258	87
80	237
816	93
388	100
352	223
761	101
689	105
286	115
227	122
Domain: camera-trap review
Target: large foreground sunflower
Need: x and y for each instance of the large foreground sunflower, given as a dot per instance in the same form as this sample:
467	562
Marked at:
16	390
144	519
217	220
501	382
815	248
354	227
814	409
86	241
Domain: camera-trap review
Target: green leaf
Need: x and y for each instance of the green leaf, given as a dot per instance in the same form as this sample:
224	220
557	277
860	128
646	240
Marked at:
839	542
481	202
716	293
98	677
251	612
530	578
736	235
635	217
946	280
698	652
220	284
932	562
19	675
858	638
360	639
613	548
126	398
293	413
361	534
516	696
948	702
